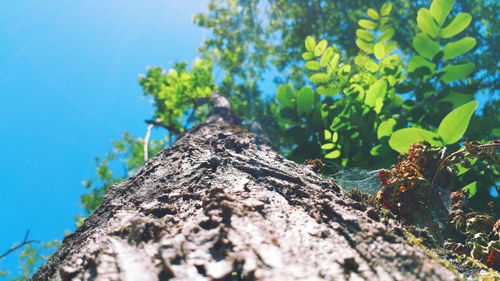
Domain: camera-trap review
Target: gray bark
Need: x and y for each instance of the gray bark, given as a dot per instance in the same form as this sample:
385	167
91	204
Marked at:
220	204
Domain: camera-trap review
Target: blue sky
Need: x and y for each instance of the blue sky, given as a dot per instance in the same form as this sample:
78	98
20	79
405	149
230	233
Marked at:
68	85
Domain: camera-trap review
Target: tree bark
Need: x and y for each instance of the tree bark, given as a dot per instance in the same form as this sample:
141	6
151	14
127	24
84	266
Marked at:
220	204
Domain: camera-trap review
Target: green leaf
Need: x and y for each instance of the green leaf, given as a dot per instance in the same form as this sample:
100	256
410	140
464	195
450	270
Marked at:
310	43
364	46
379	50
426	23
364	34
457	99
470	189
387	35
327	146
308	55
457	25
367	24
454	125
328	91
305	100
285	96
327	134
385	128
332	155
425	46
326	57
456	72
496	132
401	140
376	91
462	170
386	9
440	9
372	14
319	78
335	137
320	48
390	46
418	62
334	61
312	65
457	48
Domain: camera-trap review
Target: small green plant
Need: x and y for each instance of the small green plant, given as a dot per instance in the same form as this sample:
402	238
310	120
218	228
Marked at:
450	130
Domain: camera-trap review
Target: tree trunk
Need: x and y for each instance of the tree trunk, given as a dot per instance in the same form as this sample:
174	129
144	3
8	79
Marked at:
220	204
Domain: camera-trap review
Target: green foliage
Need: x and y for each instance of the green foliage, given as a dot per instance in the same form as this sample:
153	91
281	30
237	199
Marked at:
359	106
367	97
450	130
177	92
31	257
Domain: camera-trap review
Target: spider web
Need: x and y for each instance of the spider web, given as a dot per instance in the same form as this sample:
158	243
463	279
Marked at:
365	180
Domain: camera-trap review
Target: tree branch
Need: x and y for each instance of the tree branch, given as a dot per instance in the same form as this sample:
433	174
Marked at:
24	243
160	124
146	142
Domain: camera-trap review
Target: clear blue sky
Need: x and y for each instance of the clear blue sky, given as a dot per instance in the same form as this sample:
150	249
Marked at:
68	85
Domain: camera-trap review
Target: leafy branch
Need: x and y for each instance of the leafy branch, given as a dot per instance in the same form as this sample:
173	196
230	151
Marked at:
15	247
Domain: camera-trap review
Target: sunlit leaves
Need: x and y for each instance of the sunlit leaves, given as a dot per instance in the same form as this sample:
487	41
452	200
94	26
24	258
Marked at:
372	13
328	146
375	93
310	43
326	57
364	34
386	9
307	55
385	128
387	35
425	46
367	24
450	130
319	78
470	189
440	9
320	48
457	25
453	125
328	91
364	46
426	23
327	135
379	50
334	61
457	48
332	155
457	72
312	65
401	140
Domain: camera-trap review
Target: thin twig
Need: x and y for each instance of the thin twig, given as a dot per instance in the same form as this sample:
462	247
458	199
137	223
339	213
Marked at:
24	243
146	142
160	124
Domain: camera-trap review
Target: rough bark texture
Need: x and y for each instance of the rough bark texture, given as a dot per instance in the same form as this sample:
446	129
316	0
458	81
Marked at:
221	205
